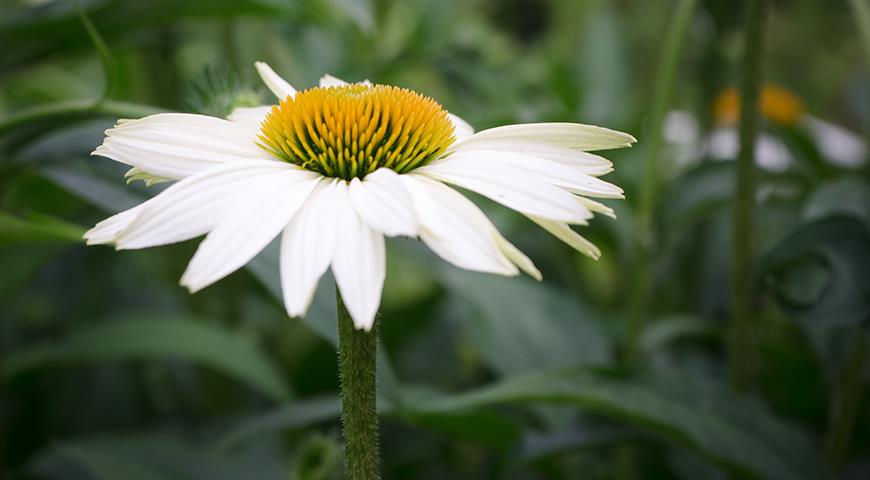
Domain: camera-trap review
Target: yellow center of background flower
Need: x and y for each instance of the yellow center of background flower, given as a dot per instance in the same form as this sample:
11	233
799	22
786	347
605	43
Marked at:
353	130
776	104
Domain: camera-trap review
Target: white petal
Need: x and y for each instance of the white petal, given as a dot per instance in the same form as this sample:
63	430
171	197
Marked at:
455	229
328	80
582	162
383	203
770	153
276	84
513	187
359	263
518	258
722	144
573	135
461	128
176	145
554	173
195	205
597	207
307	247
107	230
251	117
564	232
837	144
255	219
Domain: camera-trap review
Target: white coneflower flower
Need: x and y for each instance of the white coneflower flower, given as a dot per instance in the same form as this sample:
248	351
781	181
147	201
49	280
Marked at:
333	169
777	105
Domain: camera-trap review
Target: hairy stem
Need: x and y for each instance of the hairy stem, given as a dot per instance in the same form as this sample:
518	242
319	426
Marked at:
740	339
357	353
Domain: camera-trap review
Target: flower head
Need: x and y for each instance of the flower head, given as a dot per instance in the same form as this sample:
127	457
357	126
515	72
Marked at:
334	169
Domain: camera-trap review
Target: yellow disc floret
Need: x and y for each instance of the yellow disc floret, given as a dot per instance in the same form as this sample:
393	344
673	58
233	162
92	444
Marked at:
352	130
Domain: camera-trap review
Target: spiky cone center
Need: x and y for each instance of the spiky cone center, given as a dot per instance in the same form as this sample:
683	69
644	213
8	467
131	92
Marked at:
352	130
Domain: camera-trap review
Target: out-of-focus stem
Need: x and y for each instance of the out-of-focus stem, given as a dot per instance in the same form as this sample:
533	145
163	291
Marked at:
861	14
357	359
638	306
848	392
741	348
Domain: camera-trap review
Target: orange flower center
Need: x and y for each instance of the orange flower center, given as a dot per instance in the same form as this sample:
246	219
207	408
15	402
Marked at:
352	130
775	103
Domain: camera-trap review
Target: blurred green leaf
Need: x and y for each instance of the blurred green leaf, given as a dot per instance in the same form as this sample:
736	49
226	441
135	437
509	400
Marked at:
156	337
40	32
38	229
108	195
481	427
733	431
695	194
519	325
539	446
662	333
156	456
298	414
821	273
846	195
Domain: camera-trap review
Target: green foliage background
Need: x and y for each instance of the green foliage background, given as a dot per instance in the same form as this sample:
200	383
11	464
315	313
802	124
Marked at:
110	370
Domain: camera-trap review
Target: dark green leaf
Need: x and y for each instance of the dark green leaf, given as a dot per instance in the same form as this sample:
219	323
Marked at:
519	325
157	456
733	431
299	414
154	337
38	229
821	273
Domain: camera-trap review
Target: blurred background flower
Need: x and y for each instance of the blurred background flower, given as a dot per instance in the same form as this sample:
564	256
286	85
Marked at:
108	370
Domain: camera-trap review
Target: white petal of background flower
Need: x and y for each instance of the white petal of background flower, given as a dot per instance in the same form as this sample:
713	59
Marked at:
176	145
251	117
838	145
455	229
383	203
770	153
307	247
564	232
256	218
280	87
573	135
512	187
359	263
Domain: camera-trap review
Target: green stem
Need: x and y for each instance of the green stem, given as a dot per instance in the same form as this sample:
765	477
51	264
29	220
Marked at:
357	355
861	14
740	340
845	403
638	306
73	108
